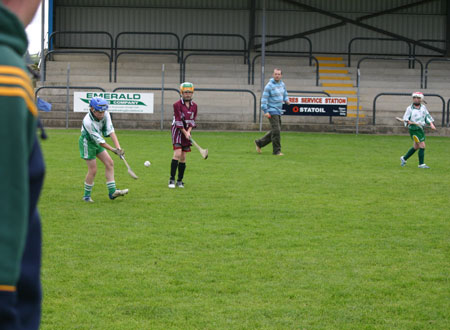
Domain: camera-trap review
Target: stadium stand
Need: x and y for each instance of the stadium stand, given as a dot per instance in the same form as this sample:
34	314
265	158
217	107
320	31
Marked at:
219	110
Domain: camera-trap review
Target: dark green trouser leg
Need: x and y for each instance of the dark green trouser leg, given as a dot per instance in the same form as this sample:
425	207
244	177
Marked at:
275	123
273	135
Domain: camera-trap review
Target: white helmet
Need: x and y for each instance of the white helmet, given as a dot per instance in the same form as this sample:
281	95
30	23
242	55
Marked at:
418	94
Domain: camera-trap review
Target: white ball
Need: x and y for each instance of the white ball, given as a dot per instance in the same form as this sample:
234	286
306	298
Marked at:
147	163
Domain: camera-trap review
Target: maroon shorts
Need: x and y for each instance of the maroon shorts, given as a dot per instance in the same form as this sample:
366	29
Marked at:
179	141
184	148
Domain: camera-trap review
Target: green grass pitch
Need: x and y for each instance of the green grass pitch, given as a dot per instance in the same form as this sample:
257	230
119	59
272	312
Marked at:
334	235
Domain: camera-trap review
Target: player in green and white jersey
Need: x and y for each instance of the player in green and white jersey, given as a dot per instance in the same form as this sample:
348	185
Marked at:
97	124
416	117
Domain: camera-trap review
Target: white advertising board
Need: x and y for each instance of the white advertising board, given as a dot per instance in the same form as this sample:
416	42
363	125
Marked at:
118	102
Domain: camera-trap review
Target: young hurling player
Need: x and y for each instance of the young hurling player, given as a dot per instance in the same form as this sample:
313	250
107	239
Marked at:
96	125
418	114
184	115
22	172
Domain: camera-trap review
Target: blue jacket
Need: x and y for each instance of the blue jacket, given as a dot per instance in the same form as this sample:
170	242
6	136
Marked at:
273	97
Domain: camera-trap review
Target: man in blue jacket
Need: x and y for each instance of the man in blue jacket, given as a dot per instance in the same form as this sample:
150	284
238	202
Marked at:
272	100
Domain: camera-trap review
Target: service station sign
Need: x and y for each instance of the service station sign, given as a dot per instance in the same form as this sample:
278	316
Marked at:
316	106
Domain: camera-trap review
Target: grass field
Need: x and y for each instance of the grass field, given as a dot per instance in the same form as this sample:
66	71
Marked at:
334	235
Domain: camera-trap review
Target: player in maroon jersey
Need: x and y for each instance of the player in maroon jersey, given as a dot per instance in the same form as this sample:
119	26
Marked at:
184	115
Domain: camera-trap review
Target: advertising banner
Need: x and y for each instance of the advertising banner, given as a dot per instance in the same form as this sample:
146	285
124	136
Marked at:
316	106
118	102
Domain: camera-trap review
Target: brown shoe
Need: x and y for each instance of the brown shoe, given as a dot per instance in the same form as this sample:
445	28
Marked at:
279	154
258	149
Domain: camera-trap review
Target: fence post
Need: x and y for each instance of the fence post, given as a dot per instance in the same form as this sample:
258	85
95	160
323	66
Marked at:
357	102
448	111
162	98
67	95
263	55
42	37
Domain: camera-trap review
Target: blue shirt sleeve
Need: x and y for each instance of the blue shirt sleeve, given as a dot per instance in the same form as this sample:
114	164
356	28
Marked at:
265	98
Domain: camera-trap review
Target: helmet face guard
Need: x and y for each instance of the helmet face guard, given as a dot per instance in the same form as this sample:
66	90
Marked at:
418	94
99	104
186	87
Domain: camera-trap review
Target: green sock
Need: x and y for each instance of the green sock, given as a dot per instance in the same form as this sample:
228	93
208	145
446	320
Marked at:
88	189
111	186
421	156
409	153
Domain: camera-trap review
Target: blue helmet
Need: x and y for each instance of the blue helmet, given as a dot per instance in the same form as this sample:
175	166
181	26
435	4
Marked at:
99	103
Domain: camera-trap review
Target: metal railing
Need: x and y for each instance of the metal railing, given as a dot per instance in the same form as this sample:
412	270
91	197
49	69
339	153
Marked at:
52	36
426	40
233	91
284	55
310	92
430	61
170	34
183	62
243	50
408	94
377	39
162	89
51	52
146	89
276	51
36	92
199	90
391	59
65	87
138	53
448	112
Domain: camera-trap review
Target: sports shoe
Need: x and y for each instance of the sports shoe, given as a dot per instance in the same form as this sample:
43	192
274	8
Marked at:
423	166
279	154
118	193
258	148
402	161
180	184
88	199
171	184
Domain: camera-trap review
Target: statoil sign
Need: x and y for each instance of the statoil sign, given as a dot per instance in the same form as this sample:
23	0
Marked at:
316	106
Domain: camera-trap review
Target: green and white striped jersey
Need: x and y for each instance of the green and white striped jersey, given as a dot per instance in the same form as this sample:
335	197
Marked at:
95	129
418	115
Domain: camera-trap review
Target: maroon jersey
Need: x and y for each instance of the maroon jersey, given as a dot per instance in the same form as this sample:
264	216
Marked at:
183	117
